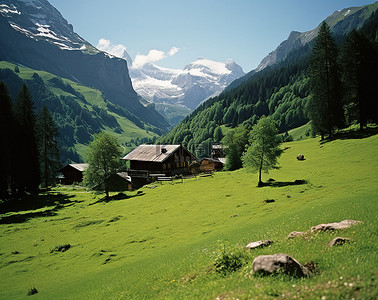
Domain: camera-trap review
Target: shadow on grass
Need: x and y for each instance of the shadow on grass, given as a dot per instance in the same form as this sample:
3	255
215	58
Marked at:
274	183
353	134
119	196
33	202
21	218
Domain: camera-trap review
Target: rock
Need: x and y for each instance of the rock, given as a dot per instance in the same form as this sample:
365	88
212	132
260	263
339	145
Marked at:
300	157
270	264
338	241
259	244
332	226
295	234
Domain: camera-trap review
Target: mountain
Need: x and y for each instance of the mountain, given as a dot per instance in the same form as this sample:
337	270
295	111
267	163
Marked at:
189	87
279	89
340	22
78	111
34	34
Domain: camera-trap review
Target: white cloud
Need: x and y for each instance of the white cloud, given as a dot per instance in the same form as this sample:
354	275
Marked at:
113	49
152	56
173	51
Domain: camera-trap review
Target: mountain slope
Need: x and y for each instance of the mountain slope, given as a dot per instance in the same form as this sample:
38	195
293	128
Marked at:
34	34
197	82
78	111
340	22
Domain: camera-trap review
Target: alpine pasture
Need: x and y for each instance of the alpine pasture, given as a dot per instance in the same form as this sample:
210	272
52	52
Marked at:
163	241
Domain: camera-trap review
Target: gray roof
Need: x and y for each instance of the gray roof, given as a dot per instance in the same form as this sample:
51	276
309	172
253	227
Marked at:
153	153
80	167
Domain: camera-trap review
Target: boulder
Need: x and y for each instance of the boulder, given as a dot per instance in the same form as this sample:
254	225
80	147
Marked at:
279	263
295	234
338	241
332	226
300	157
259	244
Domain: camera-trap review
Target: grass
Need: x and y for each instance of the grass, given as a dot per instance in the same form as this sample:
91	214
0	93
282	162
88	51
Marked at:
164	243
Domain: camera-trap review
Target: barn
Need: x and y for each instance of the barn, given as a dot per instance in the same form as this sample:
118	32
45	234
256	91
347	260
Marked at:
72	173
166	160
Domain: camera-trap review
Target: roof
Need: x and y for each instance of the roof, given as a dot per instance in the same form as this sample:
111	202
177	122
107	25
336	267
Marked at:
79	167
152	153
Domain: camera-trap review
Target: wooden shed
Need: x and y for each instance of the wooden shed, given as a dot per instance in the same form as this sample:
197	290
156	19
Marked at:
119	182
210	165
72	173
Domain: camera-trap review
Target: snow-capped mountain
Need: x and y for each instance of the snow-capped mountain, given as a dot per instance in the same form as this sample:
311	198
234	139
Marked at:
197	82
39	20
33	33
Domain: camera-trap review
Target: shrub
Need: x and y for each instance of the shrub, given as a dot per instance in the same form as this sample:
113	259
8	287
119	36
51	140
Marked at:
229	260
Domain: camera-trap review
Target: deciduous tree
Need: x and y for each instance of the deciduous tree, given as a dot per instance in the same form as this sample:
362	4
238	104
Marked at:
264	151
104	159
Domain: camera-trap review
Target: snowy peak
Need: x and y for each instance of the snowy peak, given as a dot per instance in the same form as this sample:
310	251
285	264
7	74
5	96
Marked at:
197	82
39	20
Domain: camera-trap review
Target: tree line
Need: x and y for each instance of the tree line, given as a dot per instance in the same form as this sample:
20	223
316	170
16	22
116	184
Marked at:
29	155
342	82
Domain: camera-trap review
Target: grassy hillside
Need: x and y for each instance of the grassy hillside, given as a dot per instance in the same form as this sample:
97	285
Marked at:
163	243
78	110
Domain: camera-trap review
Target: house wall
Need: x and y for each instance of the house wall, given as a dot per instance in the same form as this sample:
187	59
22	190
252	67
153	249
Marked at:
71	175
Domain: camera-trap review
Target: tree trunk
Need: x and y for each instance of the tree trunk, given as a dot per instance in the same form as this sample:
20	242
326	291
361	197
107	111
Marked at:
261	165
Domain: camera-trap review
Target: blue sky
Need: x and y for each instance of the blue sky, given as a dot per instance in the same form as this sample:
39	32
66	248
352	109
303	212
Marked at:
180	31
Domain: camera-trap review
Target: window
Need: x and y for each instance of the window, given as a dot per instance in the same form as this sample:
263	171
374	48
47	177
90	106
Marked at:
164	166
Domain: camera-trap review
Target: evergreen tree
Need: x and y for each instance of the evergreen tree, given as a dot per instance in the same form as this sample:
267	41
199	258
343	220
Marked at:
325	106
358	60
6	138
264	150
49	158
235	142
26	171
104	159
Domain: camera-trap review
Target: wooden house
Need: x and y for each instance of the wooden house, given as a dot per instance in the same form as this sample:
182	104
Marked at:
72	173
166	160
119	182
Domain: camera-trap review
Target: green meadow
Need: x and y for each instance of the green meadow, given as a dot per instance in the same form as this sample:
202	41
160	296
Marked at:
162	242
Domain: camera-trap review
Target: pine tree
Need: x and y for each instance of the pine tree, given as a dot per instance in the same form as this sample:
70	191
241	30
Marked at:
49	158
6	138
325	105
264	150
358	61
26	171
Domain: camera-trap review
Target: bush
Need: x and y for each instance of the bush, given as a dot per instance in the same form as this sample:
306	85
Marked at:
230	260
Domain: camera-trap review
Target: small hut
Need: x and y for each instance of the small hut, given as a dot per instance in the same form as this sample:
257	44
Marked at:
209	165
72	173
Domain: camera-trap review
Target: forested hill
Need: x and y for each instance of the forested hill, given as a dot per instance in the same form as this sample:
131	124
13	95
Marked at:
281	91
78	111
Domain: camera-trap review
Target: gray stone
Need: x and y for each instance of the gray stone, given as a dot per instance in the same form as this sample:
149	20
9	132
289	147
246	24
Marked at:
259	244
295	234
338	241
276	263
333	226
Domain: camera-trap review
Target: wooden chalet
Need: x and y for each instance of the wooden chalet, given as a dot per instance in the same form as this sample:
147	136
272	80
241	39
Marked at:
72	173
164	160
